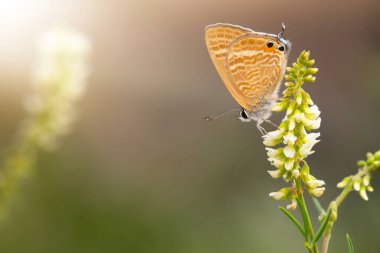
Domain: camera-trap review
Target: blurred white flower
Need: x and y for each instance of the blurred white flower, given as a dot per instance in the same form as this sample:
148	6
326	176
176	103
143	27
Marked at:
60	79
276	195
315	183
292	206
274	173
317	192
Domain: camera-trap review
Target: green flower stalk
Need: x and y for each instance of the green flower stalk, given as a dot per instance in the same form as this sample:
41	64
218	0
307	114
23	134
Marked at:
294	133
290	145
359	182
59	82
293	141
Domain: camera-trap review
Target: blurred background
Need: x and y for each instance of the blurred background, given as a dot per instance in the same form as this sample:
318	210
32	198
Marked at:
142	171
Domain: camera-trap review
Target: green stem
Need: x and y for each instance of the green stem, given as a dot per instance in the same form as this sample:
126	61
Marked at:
347	189
309	231
318	206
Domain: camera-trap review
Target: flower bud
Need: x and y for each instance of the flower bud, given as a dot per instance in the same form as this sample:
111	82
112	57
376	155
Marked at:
307	98
299	98
366	180
363	193
274	173
317	192
357	185
290	78
362	163
311	71
278	107
309	78
292	206
292	124
315	183
344	182
291	107
296	173
310	63
277	195
290	84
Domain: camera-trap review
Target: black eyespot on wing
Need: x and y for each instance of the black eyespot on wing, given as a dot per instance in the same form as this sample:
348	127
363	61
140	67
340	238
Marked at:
281	48
270	44
243	114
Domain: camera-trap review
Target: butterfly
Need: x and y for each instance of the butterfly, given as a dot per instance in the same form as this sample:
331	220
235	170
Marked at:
251	65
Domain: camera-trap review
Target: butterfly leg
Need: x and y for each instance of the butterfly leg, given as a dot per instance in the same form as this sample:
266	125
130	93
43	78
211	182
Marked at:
270	122
261	129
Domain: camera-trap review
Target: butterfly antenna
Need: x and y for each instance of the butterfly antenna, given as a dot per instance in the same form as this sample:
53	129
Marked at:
212	117
279	36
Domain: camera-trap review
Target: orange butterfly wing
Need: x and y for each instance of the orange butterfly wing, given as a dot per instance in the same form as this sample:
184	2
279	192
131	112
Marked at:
218	38
255	70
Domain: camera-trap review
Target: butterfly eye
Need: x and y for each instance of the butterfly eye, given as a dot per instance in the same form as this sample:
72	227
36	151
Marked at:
243	114
270	44
281	48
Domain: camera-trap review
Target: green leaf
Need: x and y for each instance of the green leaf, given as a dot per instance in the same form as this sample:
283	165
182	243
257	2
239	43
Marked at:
321	229
349	244
294	220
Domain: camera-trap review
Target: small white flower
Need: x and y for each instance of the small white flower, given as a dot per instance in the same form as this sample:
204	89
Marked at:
312	137
272	138
289	151
317	192
292	206
299	117
289	139
312	112
315	183
370	188
296	173
289	164
276	195
314	124
278	163
274	173
271	152
310	141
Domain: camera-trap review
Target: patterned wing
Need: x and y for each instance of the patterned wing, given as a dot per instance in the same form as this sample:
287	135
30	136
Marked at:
255	69
218	38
